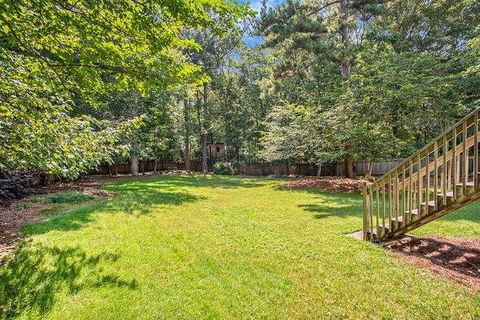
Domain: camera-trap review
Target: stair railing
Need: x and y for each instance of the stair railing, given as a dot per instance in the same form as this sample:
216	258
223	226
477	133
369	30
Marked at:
436	176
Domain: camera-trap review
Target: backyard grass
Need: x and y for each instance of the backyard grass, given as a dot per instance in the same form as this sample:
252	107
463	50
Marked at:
222	247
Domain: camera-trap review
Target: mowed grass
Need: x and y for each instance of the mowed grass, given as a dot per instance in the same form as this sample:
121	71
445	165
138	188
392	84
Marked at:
184	247
464	222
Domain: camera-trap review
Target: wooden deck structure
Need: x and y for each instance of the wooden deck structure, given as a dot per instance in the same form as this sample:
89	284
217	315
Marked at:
438	179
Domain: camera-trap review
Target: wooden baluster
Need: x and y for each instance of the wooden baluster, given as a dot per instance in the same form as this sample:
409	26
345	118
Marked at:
365	211
378	210
397	196
395	200
404	196
384	198
390	202
444	171
449	174
465	158
475	152
427	182
435	176
454	164
419	184
410	191
371	209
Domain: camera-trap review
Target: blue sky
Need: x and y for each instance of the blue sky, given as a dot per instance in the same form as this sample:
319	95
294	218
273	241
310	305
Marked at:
256	5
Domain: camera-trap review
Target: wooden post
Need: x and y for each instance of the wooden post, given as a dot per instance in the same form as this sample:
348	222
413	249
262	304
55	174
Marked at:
404	197
445	171
427	187
410	191
378	206
475	152
465	158
394	182
419	184
435	172
366	214
390	201
454	164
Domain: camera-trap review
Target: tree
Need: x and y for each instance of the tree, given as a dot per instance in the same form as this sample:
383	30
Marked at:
373	73
54	51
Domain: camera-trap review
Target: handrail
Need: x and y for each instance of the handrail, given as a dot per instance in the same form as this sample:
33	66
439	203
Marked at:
410	182
430	144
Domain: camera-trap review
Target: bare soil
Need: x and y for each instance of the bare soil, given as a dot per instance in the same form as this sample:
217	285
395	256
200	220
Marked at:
457	259
12	218
17	213
326	183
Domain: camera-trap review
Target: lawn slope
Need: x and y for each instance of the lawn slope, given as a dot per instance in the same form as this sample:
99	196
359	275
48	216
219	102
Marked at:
214	248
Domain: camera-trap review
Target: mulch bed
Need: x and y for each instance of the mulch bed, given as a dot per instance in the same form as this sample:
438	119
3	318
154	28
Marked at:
12	218
326	183
457	259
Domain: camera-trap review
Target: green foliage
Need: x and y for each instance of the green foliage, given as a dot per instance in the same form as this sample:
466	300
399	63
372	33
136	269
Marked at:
224	168
377	82
64	197
56	54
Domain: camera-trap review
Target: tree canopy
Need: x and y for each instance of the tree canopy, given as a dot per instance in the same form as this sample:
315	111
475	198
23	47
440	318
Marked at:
89	82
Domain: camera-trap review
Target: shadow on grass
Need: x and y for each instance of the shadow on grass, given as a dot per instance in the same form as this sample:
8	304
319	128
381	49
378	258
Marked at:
176	182
32	277
143	200
468	213
333	204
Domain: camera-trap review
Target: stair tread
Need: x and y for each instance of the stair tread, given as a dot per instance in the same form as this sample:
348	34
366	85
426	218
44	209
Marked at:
449	194
399	219
469	184
385	226
430	203
414	212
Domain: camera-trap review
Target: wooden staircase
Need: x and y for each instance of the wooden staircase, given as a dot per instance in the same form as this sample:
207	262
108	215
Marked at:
440	178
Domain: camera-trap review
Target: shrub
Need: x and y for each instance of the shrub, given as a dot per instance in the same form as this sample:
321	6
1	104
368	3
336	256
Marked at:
65	197
223	168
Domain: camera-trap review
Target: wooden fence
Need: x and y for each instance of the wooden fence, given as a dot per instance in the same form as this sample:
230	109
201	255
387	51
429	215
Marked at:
257	169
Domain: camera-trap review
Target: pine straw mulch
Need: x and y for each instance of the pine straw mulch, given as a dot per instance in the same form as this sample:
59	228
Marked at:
457	259
326	183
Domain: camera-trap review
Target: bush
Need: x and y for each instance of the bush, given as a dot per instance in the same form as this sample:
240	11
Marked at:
65	197
223	168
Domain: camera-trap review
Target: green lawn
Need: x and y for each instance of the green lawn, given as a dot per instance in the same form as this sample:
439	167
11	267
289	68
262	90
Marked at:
220	247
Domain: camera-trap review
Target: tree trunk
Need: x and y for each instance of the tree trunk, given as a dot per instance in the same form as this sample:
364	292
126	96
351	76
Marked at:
188	155
368	174
349	170
237	157
344	32
204	130
134	166
319	169
155	162
143	166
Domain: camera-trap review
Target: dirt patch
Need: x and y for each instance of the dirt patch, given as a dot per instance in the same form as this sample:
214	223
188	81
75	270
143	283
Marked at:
17	213
457	259
326	183
12	218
